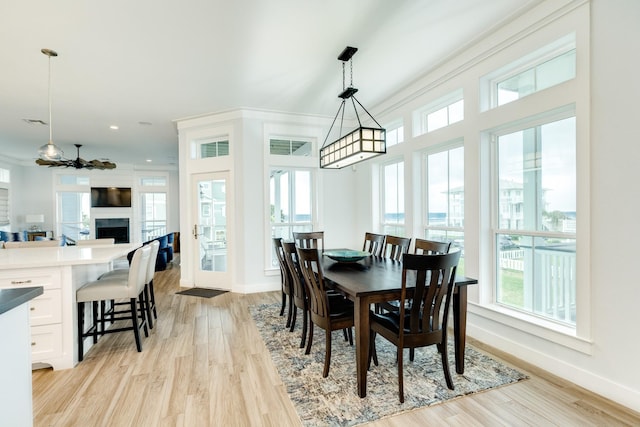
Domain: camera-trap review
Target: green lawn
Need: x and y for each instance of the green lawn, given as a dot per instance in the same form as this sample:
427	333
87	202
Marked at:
511	288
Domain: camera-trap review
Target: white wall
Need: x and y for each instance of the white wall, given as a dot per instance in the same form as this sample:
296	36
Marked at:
602	356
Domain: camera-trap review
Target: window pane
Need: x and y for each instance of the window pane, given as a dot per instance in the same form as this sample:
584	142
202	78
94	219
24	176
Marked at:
153	207
438	186
537	177
557	70
302	196
394	194
456	111
153	181
214	149
74	213
287	147
438	119
516	87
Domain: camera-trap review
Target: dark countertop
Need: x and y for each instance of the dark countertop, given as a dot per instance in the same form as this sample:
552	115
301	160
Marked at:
11	298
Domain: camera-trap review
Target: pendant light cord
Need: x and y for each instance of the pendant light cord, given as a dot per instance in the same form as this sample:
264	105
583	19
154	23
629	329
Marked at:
50	123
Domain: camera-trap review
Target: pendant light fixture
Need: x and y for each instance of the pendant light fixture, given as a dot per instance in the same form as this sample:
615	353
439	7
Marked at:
50	151
360	144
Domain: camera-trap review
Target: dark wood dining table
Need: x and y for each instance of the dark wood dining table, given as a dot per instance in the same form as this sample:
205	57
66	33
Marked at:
376	279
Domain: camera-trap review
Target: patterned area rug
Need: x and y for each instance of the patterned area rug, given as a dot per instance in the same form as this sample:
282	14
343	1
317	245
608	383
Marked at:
333	401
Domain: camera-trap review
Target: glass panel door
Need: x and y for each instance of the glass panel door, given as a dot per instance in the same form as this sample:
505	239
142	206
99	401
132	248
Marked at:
211	231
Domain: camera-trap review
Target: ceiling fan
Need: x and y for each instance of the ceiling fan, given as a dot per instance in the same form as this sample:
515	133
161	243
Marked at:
78	163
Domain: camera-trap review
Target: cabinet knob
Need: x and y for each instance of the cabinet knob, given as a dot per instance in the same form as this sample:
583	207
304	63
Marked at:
33	344
20	282
32	308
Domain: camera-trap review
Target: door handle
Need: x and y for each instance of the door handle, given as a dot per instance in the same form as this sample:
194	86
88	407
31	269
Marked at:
195	231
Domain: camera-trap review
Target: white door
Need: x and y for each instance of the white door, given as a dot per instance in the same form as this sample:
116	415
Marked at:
212	222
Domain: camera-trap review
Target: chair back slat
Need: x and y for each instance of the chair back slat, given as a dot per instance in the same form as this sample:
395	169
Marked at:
298	286
374	243
309	240
395	247
309	261
285	276
423	246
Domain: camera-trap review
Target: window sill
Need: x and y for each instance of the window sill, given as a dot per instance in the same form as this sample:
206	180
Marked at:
549	331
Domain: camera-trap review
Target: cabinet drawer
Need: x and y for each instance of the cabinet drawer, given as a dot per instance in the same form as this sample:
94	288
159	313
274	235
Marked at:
46	309
33	277
46	342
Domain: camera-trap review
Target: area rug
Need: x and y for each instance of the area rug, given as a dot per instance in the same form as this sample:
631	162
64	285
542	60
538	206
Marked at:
201	292
333	401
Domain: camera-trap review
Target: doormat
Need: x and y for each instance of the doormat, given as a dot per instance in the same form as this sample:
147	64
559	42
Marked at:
201	292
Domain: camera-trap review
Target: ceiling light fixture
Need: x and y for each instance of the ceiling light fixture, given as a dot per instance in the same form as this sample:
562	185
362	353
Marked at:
50	151
51	155
360	144
78	163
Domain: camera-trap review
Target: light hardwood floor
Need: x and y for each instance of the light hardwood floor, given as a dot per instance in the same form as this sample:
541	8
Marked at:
205	365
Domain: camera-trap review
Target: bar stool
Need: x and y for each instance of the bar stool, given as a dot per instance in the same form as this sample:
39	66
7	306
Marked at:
129	287
150	295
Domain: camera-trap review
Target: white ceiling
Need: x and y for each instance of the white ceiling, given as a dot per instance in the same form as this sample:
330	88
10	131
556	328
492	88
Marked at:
124	62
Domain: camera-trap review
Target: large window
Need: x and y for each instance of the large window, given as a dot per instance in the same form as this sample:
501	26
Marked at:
290	203
535	220
444	219
74	213
153	206
393	199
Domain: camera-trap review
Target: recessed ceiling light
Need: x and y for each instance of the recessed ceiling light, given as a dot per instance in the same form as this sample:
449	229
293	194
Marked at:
149	160
145	123
114	127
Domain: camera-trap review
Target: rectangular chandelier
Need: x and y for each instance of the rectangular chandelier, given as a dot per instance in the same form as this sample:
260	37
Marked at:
356	146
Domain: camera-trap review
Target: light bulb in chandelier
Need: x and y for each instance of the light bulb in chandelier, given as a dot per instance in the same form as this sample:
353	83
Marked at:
50	151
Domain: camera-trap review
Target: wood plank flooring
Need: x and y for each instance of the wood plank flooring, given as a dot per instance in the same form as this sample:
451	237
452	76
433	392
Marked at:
204	364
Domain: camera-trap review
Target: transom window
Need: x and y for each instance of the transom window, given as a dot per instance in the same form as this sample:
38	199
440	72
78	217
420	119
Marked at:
289	147
442	112
394	133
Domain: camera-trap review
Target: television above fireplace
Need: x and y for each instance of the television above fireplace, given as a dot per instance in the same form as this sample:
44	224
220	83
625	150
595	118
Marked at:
110	197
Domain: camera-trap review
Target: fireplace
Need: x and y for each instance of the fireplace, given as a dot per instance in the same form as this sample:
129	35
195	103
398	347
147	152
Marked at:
118	228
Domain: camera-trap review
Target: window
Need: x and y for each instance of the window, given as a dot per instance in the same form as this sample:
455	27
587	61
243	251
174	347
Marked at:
211	147
444	219
289	147
74	210
535	220
441	113
153	181
539	70
393	199
153	212
290	203
394	133
4	206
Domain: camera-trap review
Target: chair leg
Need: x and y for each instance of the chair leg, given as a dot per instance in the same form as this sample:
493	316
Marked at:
147	303
400	376
294	315
134	320
327	353
143	314
284	303
152	295
80	331
290	311
412	353
308	350
346	336
350	333
94	314
445	365
373	354
304	327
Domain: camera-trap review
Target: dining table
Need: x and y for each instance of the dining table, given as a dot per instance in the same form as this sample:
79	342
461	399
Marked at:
375	279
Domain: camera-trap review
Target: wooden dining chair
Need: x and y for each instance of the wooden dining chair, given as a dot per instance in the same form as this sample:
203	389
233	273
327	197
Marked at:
285	281
330	314
423	320
373	243
309	240
423	246
298	287
395	247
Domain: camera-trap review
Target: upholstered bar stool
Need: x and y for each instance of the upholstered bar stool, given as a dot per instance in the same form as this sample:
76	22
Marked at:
150	295
129	287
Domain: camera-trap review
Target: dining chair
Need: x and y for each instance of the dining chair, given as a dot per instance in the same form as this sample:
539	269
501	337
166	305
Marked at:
129	288
299	289
285	281
423	321
330	314
373	243
395	247
309	240
423	246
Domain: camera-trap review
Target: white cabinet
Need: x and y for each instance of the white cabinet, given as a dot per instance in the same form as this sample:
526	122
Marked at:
45	311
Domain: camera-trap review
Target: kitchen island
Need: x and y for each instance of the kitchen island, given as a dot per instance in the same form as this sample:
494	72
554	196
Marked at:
15	369
60	271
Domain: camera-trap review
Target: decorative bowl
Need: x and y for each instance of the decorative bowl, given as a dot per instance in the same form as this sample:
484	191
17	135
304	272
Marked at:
347	255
